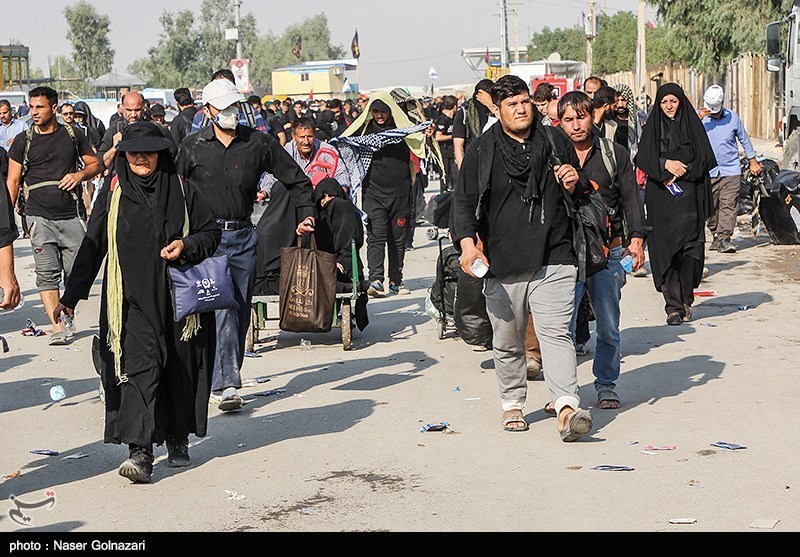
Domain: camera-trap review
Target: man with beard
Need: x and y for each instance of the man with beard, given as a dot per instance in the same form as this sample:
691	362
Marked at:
10	127
509	193
181	125
607	166
472	119
605	101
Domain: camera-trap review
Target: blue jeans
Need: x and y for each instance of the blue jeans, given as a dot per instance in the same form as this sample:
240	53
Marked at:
232	324
605	292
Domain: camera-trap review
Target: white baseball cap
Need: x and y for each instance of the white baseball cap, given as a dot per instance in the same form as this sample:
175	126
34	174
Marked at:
221	94
713	98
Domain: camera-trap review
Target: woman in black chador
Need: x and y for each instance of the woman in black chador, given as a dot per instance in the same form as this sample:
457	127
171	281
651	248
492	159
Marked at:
156	372
676	155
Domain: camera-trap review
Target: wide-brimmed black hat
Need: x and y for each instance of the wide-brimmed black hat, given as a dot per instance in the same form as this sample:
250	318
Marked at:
143	137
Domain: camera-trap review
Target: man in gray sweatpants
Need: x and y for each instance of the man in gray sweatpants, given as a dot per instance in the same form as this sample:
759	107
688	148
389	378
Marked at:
509	213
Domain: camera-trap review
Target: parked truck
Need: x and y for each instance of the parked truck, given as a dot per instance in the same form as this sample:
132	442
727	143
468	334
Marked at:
783	56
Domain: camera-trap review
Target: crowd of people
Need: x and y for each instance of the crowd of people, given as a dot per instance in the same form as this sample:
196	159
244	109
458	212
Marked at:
145	195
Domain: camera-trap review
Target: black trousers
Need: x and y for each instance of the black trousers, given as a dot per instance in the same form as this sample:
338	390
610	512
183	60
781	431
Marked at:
417	206
389	220
451	174
678	287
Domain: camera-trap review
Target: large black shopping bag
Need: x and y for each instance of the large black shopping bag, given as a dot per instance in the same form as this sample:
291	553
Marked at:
307	289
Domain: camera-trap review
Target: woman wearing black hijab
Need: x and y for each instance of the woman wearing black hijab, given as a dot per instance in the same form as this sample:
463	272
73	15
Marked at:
676	155
156	373
338	224
91	125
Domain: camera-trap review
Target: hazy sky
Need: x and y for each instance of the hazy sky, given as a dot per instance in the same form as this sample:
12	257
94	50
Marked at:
400	39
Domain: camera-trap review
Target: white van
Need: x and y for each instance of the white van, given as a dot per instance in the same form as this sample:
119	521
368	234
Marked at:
15	98
164	97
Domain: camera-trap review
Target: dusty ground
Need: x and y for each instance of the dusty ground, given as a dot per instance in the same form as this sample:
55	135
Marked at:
342	450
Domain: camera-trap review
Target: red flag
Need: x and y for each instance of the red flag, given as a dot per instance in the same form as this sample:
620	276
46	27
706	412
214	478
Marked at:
486	56
650	25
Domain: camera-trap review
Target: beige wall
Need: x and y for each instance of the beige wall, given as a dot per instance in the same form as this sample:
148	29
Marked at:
325	84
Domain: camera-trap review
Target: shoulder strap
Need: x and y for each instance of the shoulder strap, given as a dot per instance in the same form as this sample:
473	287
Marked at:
25	162
185	208
609	159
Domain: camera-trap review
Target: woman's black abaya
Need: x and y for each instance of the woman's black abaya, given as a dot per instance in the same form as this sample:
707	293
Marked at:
166	394
677	242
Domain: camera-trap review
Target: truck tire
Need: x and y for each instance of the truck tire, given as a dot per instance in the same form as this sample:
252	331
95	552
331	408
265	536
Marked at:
791	151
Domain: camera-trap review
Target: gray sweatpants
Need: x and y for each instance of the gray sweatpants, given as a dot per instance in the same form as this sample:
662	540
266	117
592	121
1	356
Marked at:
725	191
550	294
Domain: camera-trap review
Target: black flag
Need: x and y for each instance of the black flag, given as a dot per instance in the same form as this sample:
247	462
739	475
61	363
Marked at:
298	45
354	48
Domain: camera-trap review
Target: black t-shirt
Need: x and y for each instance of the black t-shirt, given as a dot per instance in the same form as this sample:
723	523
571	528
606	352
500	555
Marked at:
50	157
517	242
389	174
444	125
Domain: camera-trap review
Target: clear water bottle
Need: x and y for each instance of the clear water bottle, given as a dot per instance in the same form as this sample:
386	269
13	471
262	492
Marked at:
67	324
627	263
479	268
57	393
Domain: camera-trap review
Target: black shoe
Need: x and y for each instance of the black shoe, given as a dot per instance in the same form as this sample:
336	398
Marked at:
714	244
139	467
178	453
674	318
725	246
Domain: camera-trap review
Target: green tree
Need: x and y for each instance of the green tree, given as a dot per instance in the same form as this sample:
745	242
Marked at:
569	42
614	49
192	46
710	33
87	30
177	58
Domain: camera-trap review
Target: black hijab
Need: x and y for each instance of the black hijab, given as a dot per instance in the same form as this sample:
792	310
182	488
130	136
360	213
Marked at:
683	138
91	120
339	221
160	191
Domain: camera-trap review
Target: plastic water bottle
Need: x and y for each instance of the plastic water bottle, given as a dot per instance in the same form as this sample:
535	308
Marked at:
627	263
57	393
68	324
479	268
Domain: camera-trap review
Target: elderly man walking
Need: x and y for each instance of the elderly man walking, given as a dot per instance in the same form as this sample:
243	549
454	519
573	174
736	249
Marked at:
724	128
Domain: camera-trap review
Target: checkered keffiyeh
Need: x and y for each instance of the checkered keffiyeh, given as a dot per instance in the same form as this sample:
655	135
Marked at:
357	151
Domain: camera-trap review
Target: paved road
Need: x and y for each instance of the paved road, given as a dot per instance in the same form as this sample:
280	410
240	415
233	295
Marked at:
342	448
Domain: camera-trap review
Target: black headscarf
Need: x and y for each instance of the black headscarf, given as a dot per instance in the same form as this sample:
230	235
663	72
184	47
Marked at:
682	138
91	120
160	191
339	222
526	172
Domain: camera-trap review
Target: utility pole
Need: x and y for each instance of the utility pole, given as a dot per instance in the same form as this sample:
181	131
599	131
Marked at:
641	57
503	35
590	35
237	4
516	32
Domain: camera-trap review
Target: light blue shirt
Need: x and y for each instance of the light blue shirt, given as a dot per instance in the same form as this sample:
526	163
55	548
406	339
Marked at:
10	131
723	133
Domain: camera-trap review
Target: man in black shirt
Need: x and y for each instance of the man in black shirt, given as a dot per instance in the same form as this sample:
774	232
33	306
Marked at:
48	158
510	198
607	165
444	135
225	162
181	125
471	118
605	101
387	203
